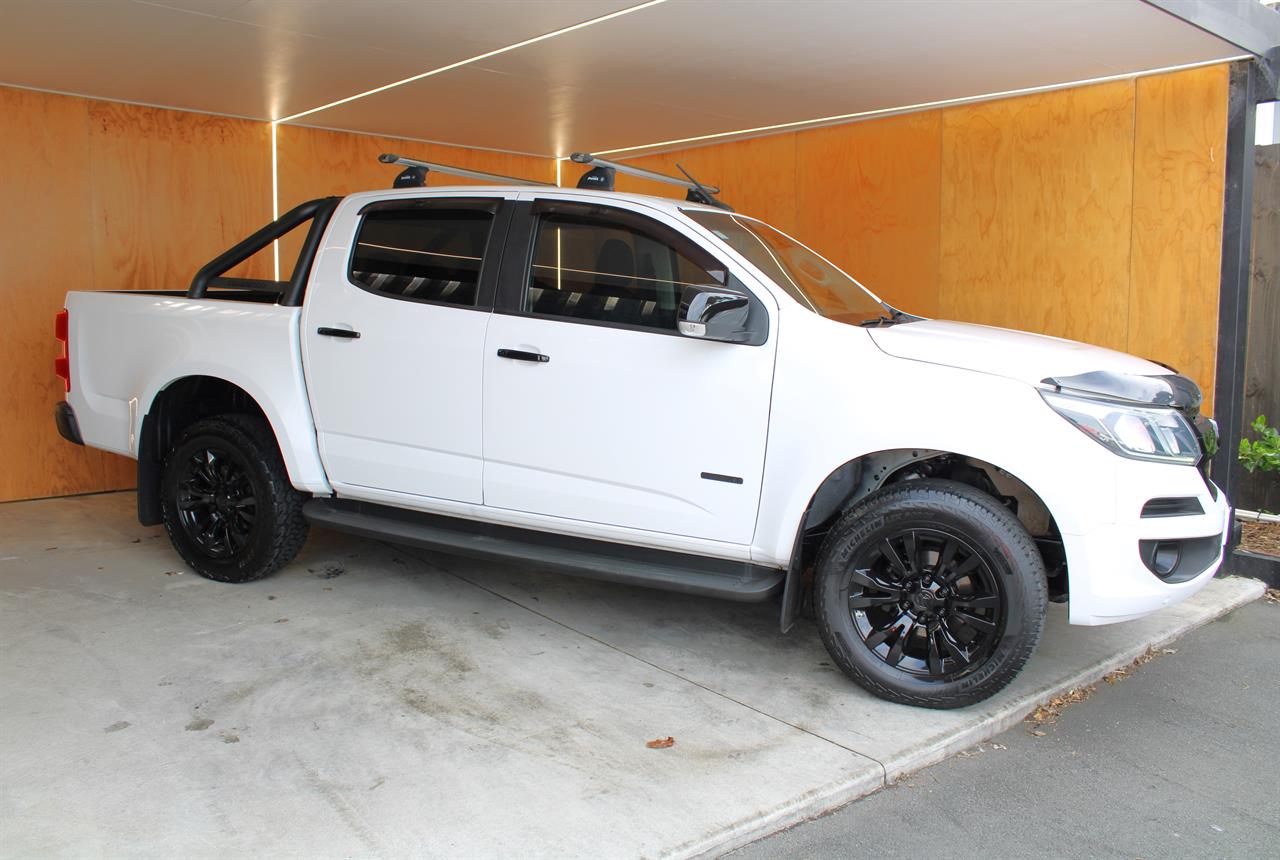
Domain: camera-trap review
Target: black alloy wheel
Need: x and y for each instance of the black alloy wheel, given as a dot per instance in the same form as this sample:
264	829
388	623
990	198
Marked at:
216	504
930	593
926	602
226	500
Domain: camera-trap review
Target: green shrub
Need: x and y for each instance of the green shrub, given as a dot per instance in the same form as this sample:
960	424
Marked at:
1262	455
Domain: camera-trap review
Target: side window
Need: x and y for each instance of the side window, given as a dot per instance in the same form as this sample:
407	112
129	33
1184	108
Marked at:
599	268
423	253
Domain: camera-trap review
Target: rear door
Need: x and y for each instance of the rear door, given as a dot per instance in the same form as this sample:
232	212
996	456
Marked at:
393	342
595	408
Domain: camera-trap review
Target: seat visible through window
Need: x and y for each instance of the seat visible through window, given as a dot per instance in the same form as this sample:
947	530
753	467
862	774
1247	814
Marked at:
422	253
589	268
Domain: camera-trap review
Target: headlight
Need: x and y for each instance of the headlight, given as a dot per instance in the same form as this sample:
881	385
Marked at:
1130	431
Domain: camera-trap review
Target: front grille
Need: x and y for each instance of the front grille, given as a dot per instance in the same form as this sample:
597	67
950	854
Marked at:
1207	435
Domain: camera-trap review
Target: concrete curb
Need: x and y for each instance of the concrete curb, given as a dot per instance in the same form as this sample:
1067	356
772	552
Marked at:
986	726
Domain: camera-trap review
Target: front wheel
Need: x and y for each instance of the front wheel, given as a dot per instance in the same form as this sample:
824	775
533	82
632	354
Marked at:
930	593
227	503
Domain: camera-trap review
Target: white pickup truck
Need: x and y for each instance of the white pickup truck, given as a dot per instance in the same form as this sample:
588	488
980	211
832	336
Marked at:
654	392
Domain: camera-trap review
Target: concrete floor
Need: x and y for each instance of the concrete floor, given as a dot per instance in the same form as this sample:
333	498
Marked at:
1177	760
370	701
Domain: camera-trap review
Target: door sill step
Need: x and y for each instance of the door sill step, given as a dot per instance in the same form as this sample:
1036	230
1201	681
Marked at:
614	562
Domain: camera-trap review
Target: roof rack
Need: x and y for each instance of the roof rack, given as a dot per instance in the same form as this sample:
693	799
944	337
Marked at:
415	173
601	176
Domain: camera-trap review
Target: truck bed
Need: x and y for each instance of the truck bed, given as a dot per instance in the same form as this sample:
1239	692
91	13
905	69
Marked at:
127	346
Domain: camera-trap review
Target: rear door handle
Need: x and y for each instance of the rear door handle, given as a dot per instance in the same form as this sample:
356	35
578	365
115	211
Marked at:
521	355
337	332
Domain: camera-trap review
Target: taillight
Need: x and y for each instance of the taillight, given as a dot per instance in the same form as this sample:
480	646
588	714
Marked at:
62	364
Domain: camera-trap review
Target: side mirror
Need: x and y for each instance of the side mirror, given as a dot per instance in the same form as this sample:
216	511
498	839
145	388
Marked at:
715	313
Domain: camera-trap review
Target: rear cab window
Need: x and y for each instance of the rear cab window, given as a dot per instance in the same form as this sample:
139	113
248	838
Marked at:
430	250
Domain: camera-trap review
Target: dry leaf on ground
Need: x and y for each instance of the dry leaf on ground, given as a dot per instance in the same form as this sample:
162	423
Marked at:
661	743
1048	713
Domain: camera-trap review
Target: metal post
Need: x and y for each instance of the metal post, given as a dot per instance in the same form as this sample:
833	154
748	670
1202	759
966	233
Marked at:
1233	297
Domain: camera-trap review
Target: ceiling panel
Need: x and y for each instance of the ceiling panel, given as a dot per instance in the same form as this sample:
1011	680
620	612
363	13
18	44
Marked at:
690	67
260	58
679	69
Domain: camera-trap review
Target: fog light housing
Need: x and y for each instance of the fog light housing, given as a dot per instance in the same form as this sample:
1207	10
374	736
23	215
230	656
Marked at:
1164	558
1182	559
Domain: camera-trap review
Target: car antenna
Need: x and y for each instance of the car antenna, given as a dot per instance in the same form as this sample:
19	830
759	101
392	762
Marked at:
699	193
601	176
415	173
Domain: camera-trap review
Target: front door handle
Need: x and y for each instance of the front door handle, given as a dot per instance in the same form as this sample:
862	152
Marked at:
337	332
521	355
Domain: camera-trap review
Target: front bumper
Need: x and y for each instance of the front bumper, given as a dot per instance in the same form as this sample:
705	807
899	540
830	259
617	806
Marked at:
1111	567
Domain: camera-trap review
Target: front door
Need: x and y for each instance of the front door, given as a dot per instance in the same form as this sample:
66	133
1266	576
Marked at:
595	408
393	347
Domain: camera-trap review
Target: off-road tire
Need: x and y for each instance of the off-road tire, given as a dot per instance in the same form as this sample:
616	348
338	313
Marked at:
943	509
278	530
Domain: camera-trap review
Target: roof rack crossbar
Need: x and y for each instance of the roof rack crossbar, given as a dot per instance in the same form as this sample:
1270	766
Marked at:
597	161
391	158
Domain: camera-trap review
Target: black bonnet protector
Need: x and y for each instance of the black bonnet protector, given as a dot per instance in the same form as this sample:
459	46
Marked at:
1170	389
1173	390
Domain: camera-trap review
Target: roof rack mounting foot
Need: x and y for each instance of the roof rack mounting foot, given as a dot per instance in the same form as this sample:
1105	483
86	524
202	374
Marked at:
602	174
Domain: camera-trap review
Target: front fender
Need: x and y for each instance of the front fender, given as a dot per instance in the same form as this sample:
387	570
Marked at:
860	401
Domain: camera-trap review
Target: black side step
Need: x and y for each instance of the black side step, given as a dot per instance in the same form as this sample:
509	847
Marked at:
671	571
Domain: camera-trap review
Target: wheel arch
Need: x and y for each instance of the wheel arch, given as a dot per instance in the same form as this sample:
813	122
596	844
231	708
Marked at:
178	403
858	478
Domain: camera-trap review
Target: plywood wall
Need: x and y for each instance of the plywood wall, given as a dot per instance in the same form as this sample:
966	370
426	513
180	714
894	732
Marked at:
867	197
1092	213
46	225
1179	158
1036	210
105	196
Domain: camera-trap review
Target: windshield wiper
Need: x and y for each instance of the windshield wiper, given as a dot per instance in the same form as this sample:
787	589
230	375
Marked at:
895	316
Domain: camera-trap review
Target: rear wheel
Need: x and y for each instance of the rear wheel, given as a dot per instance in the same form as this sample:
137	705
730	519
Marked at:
930	593
227	503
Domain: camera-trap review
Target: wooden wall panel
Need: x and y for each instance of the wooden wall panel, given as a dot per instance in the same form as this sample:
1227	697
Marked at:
314	162
1036	212
107	196
1179	146
1093	214
867	197
172	190
45	250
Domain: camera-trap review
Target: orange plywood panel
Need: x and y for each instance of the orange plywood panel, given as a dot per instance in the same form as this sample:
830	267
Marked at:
316	162
45	250
172	190
757	176
867	198
1179	172
1036	209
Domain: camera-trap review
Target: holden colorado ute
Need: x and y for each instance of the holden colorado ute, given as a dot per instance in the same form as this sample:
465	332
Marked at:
657	392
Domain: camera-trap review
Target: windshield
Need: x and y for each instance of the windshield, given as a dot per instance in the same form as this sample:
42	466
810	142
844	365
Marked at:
807	277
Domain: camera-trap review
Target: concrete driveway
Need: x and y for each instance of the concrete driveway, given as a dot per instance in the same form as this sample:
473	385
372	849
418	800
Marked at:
377	702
